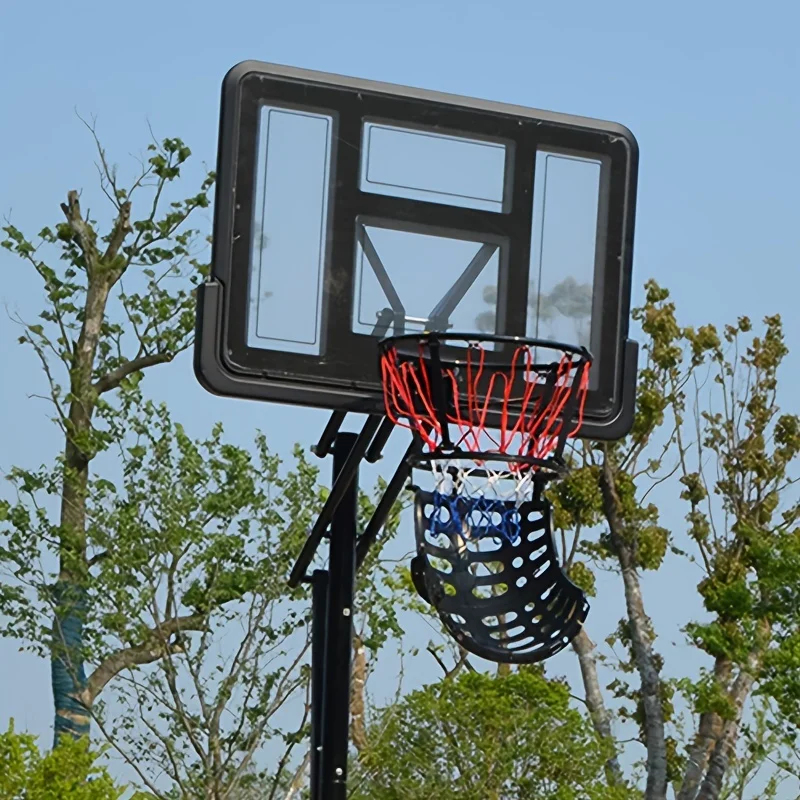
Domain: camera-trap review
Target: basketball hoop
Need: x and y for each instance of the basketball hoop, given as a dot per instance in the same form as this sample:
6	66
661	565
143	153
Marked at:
493	417
493	400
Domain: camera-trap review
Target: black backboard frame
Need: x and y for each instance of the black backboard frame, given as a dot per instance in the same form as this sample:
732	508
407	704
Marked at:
226	365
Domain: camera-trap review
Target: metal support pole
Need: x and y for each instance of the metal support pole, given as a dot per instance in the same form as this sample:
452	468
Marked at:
319	620
339	628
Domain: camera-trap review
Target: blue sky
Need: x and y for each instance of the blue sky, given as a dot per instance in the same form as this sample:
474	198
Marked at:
710	91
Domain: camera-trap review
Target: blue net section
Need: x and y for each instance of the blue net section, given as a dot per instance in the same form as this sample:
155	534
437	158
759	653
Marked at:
475	517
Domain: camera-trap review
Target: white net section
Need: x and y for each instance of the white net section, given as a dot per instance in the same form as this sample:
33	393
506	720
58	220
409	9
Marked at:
493	482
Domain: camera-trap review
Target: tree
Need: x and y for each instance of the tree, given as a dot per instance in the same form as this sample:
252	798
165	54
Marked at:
165	545
88	358
742	517
208	531
202	532
476	737
709	429
707	412
168	622
200	653
69	772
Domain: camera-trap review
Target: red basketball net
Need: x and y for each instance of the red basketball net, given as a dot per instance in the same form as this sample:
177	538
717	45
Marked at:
526	402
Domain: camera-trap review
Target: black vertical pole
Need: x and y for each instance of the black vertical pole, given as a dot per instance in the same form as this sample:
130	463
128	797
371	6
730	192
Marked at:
339	632
319	619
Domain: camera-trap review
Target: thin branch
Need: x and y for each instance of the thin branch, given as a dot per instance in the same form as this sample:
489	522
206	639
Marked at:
47	371
106	171
131	762
97	558
287	754
55	305
574	548
463	661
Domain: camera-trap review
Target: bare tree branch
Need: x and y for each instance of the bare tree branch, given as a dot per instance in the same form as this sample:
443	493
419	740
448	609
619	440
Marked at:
84	233
114	378
152	649
641	639
122	227
584	648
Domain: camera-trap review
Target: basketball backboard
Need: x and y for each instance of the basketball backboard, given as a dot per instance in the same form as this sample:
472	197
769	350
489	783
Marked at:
348	210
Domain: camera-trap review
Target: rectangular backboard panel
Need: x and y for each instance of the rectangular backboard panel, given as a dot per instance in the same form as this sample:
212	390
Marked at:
348	210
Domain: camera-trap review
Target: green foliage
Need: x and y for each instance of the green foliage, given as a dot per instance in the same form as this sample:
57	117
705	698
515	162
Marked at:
145	268
583	577
69	772
762	748
376	594
747	537
477	737
733	450
168	556
157	254
577	501
189	548
706	695
174	550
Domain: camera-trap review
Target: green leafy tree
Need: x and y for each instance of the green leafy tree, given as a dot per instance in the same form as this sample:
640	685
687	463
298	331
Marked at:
198	652
752	771
736	472
69	772
479	737
201	533
167	619
146	266
708	414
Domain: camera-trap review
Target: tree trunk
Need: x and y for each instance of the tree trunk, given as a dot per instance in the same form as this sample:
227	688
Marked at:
708	732
726	742
70	596
358	730
67	673
641	639
584	647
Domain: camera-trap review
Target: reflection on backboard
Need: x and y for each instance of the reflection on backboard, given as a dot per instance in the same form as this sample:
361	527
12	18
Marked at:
349	210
